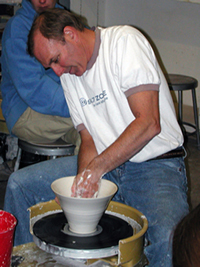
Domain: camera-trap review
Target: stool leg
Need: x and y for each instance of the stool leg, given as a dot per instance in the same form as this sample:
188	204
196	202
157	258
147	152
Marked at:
17	162
180	114
196	119
52	157
180	103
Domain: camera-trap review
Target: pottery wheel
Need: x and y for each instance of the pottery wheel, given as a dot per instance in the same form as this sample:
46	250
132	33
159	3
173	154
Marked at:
50	235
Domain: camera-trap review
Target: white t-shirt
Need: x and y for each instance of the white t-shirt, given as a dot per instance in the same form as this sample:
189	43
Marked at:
122	63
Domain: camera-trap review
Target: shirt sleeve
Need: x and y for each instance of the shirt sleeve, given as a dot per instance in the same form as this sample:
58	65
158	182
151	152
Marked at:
134	62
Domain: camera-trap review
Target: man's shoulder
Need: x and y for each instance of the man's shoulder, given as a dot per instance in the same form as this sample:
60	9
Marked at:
119	28
120	31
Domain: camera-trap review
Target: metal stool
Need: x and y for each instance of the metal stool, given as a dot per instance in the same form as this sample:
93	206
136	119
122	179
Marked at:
58	148
181	83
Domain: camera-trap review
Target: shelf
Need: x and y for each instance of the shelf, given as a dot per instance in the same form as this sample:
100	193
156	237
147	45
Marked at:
11	2
189	1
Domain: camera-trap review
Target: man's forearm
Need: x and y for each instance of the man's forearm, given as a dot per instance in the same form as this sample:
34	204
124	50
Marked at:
131	141
86	154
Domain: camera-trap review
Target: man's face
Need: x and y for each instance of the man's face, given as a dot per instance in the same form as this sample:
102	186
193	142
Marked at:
42	5
68	57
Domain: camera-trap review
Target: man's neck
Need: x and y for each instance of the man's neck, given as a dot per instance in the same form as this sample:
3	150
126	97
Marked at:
88	42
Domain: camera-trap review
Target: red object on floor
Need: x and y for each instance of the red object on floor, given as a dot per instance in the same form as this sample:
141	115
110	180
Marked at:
7	227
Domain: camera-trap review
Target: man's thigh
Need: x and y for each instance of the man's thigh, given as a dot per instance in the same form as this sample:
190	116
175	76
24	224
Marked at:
156	188
34	182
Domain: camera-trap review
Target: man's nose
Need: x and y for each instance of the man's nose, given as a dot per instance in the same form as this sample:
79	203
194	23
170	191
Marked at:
58	70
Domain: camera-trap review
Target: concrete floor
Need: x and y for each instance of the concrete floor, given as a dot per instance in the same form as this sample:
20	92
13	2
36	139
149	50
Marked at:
192	167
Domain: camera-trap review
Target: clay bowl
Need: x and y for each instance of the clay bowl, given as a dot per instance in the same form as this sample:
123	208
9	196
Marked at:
83	214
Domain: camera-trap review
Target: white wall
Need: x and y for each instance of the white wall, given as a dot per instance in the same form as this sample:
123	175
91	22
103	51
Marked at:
173	26
93	10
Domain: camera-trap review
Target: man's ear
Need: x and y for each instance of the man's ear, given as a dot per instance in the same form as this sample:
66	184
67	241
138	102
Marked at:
69	33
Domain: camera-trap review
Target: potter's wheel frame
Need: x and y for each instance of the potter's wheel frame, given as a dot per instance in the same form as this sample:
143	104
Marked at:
49	236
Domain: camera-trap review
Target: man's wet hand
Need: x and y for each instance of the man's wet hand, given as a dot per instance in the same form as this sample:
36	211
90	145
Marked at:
85	185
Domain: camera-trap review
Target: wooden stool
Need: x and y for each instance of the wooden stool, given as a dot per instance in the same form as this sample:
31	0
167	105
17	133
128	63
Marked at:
58	148
181	83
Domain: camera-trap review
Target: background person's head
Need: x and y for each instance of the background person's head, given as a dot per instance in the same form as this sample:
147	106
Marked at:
186	241
42	5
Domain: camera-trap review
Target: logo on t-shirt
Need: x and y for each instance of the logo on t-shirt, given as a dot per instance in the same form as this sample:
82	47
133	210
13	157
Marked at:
96	100
83	102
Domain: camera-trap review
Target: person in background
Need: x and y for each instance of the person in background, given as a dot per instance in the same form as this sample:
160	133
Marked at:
186	240
121	105
33	103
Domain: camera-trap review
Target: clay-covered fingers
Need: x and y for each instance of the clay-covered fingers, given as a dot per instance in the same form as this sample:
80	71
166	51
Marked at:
85	185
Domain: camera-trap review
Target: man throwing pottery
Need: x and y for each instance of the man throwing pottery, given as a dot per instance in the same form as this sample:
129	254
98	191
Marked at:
121	105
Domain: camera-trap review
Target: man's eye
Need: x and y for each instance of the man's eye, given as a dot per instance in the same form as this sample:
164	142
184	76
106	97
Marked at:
56	60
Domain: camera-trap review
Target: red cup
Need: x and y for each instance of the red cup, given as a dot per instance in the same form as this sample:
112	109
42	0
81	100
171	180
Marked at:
7	228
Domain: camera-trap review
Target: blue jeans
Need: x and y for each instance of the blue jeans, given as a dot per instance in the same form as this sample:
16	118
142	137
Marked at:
157	188
31	185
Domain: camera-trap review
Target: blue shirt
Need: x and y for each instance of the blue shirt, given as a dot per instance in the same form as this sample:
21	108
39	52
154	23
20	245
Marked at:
25	83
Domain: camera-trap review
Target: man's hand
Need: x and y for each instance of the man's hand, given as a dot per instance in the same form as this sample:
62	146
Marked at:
57	200
85	185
